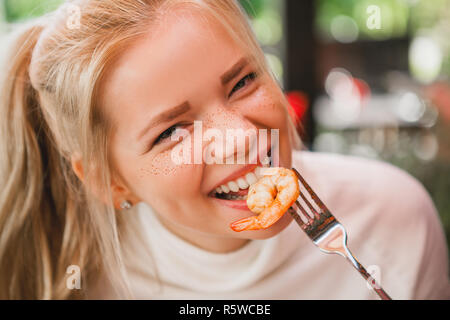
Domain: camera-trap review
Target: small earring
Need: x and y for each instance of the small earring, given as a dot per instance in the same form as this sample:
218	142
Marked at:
125	205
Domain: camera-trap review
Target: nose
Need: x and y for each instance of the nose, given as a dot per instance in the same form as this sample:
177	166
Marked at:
230	138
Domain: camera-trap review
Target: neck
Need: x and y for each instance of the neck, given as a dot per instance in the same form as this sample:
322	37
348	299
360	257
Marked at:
206	242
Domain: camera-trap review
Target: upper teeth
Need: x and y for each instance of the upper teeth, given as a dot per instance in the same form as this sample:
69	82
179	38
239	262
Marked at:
241	183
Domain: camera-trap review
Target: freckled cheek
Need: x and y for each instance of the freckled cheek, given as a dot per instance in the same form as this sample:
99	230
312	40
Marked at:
163	175
270	99
160	165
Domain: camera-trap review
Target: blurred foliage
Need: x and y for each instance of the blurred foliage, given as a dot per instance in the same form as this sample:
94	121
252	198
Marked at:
399	17
394	13
253	7
426	14
17	10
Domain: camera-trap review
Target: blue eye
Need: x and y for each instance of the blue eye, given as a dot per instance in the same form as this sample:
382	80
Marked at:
241	84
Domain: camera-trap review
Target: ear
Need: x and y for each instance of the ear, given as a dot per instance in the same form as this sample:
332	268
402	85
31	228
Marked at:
120	192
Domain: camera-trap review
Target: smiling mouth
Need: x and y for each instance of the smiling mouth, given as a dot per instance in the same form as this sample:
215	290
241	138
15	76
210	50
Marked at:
237	189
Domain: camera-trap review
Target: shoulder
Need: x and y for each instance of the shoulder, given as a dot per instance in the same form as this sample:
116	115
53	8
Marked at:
353	168
388	215
363	182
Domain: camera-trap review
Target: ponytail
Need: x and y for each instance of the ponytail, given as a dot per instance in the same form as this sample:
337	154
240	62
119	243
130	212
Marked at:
33	187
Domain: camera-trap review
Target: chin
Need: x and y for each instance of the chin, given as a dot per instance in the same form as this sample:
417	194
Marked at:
270	232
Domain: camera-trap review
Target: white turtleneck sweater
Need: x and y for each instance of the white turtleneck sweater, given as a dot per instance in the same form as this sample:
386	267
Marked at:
392	227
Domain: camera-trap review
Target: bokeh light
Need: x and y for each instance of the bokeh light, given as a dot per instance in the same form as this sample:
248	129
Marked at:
330	142
425	59
410	107
345	96
425	146
344	29
268	27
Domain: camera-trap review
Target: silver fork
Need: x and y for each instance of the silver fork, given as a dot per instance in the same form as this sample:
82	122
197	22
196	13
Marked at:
327	233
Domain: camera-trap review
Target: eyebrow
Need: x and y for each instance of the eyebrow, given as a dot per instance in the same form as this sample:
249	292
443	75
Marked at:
234	71
166	116
184	107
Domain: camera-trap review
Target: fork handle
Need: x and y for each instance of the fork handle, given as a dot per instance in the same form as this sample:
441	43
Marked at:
373	283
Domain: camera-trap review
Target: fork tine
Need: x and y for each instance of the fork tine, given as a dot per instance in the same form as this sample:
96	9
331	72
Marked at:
314	196
304	212
296	217
314	211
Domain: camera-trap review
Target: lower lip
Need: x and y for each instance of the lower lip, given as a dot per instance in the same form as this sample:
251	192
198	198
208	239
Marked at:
234	204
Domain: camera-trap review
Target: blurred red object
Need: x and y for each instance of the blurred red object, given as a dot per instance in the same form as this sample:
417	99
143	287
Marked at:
439	94
362	88
299	105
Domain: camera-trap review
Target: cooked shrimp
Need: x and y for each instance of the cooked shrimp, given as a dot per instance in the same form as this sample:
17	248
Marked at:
270	197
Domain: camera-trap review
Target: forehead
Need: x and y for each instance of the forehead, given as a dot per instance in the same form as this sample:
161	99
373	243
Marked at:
168	65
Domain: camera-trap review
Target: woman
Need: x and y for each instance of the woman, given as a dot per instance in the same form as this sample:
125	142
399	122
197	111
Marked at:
89	115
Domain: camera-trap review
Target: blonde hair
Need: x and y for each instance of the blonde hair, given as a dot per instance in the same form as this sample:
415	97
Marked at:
48	218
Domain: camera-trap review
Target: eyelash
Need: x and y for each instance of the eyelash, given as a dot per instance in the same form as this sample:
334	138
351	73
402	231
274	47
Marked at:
251	76
162	136
168	133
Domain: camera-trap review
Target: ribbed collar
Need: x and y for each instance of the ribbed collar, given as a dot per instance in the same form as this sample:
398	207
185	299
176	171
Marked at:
183	265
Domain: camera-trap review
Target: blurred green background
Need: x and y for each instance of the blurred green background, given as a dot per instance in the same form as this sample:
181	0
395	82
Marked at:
399	73
373	91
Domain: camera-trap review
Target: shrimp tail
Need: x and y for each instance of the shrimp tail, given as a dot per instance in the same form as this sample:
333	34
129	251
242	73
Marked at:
267	218
250	223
